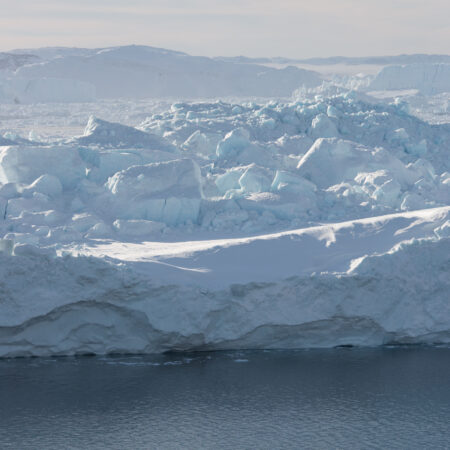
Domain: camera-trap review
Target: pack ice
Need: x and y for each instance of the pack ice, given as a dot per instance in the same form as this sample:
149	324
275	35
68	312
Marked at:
317	222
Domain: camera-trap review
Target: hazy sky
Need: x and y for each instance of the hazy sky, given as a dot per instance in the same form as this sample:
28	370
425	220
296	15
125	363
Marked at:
295	28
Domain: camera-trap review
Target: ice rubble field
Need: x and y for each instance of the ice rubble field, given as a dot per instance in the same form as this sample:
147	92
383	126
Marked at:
321	221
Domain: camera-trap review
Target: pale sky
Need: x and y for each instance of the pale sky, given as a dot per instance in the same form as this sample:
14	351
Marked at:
292	28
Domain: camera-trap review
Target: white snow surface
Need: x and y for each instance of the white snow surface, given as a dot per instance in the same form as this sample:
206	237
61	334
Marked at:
319	221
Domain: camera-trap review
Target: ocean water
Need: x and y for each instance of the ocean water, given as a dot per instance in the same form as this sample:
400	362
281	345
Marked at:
320	399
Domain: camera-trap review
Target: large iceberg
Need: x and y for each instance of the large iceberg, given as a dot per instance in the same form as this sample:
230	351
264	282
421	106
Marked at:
139	71
365	282
317	222
426	78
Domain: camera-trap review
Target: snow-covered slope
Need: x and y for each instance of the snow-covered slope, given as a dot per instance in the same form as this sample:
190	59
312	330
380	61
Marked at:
139	71
12	61
49	53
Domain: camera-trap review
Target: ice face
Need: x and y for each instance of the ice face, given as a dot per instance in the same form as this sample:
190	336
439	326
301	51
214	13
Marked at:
168	192
363	282
25	164
233	143
427	78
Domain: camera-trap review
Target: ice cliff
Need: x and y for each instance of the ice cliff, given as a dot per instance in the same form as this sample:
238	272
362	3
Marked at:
364	282
427	78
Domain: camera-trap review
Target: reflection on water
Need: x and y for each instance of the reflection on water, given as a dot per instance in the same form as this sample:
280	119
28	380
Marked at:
340	398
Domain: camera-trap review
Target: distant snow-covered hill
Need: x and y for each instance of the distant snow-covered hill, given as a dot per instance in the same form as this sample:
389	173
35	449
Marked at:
48	53
12	61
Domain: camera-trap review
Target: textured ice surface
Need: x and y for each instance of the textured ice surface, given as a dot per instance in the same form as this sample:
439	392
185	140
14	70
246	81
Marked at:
168	192
251	177
318	221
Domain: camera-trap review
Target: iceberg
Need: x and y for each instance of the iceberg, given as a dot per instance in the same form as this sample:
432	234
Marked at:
365	282
425	77
317	221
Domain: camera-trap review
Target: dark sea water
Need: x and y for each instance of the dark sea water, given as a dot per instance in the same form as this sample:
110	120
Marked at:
320	399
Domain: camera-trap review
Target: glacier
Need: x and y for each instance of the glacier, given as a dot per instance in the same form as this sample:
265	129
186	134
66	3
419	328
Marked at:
153	225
